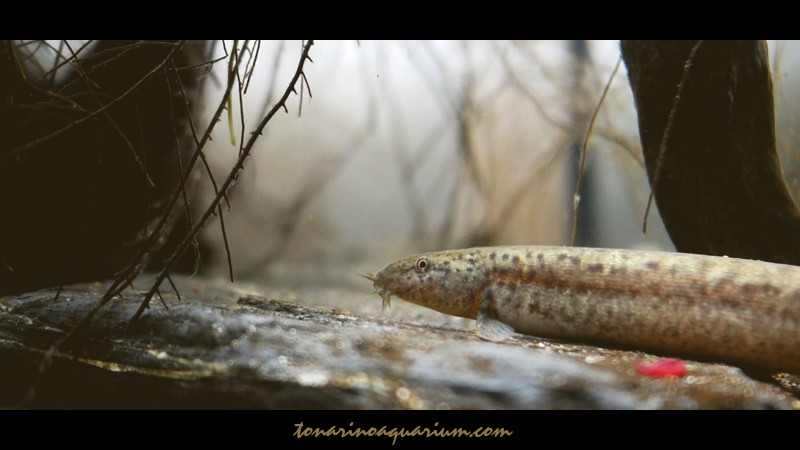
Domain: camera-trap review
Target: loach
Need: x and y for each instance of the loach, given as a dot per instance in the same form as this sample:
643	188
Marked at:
715	308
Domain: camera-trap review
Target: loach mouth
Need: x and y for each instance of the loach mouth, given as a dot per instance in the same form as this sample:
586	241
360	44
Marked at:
368	276
385	293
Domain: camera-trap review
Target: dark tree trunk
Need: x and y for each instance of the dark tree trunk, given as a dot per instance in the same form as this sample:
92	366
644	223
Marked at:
720	190
73	207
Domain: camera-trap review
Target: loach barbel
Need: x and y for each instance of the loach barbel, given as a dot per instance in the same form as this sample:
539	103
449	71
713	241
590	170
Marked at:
724	309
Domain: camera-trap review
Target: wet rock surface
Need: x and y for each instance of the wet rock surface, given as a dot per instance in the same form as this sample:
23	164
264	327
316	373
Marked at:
225	347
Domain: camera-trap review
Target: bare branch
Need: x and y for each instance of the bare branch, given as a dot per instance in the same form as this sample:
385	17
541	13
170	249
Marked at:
174	289
670	119
228	181
576	196
249	69
186	203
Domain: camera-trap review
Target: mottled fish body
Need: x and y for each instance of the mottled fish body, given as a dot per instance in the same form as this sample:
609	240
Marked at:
727	309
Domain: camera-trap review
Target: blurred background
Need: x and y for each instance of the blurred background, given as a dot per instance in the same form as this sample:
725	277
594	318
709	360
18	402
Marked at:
403	147
413	146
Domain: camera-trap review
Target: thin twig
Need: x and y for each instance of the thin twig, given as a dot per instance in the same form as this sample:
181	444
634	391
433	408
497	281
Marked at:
239	89
662	148
302	90
576	197
300	106
466	143
208	64
248	74
56	61
58	292
225	241
186	105
241	143
158	292
241	109
308	86
186	203
174	289
225	185
194	135
234	57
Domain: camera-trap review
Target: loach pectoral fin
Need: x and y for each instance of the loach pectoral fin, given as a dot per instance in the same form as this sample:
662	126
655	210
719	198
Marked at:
490	328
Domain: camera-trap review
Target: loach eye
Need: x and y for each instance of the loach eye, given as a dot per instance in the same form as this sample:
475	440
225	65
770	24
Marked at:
422	264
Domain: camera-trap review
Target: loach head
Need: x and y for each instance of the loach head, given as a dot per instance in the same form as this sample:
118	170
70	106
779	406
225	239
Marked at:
445	281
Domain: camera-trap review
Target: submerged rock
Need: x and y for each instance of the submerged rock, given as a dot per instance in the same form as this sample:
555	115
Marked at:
221	348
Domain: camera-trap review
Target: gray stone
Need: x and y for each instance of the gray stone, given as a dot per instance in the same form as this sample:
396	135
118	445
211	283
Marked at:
221	348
